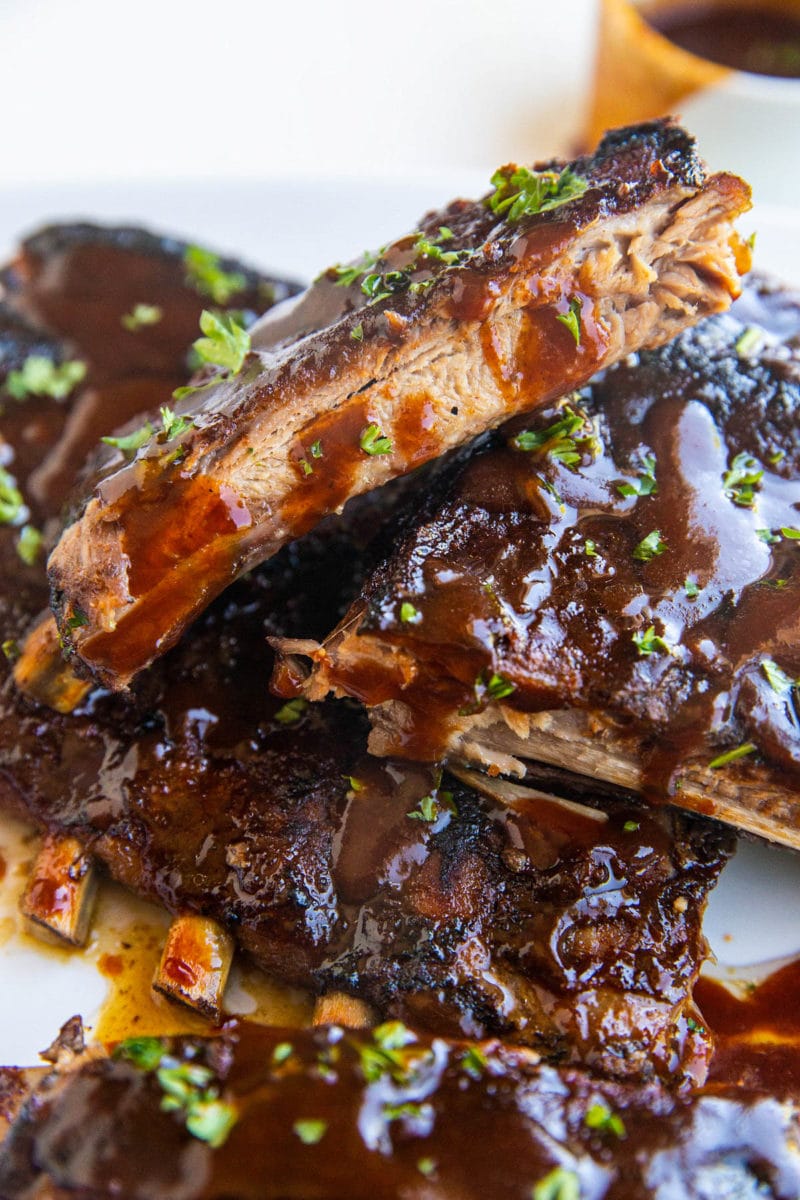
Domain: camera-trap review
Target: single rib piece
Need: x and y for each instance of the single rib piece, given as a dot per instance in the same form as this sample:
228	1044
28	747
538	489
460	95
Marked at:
447	332
613	588
283	1114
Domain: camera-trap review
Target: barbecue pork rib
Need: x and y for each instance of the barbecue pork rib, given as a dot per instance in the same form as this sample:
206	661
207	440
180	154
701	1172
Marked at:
260	1114
387	364
613	587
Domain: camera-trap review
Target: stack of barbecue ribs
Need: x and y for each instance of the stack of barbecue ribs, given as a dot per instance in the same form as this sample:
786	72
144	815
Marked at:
400	652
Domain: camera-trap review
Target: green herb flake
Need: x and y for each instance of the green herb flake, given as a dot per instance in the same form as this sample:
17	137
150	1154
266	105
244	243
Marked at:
306	466
291	711
39	376
11	649
144	1052
211	1121
310	1130
431	807
226	344
631	827
426	1166
741	479
730	756
129	443
777	457
373	441
779	681
497	687
748	341
645	483
29	544
379	287
347	275
12	505
557	439
282	1051
431	248
789	532
140	316
355	784
650	642
474	1062
768	537
187	1090
357	334
520	192
590	548
77	620
173	425
602	1119
205	275
392	1053
691	588
694	1027
409	615
560	1184
316	449
650	547
572	319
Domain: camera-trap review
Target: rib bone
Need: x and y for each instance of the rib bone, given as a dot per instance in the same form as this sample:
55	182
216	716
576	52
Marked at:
195	964
59	899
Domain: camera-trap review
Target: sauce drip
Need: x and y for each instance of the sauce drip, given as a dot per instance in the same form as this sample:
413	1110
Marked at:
743	36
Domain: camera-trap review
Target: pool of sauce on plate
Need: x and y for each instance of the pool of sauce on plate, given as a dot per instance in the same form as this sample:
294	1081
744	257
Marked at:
743	36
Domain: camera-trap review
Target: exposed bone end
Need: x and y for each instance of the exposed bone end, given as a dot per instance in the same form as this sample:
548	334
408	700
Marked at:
337	1008
195	964
41	672
59	900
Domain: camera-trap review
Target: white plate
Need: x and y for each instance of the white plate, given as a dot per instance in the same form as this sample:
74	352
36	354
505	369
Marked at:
297	228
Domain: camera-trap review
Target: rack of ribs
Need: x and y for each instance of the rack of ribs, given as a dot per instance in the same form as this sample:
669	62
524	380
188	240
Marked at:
611	586
489	308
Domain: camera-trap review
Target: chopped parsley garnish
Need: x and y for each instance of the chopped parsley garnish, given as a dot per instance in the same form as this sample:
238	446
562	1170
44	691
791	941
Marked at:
77	620
748	341
474	1062
572	319
768	537
291	711
29	544
426	1167
645	483
379	287
590	548
409	614
355	784
316	449
282	1051
205	275
631	827
11	503
140	316
391	1053
39	376
144	1052
789	532
650	547
691	588
601	1118
741	479
520	192
357	334
310	1130
730	756
557	439
129	443
650	642
226	343
173	425
347	275
779	681
11	649
559	1184
431	807
373	441
306	466
407	1111
693	1025
187	1089
496	687
777	457
432	248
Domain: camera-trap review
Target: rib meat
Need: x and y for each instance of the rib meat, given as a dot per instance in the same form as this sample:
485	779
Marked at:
386	1114
446	333
612	587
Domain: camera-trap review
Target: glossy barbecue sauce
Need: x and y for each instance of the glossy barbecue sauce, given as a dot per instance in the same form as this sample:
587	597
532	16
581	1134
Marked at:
743	36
